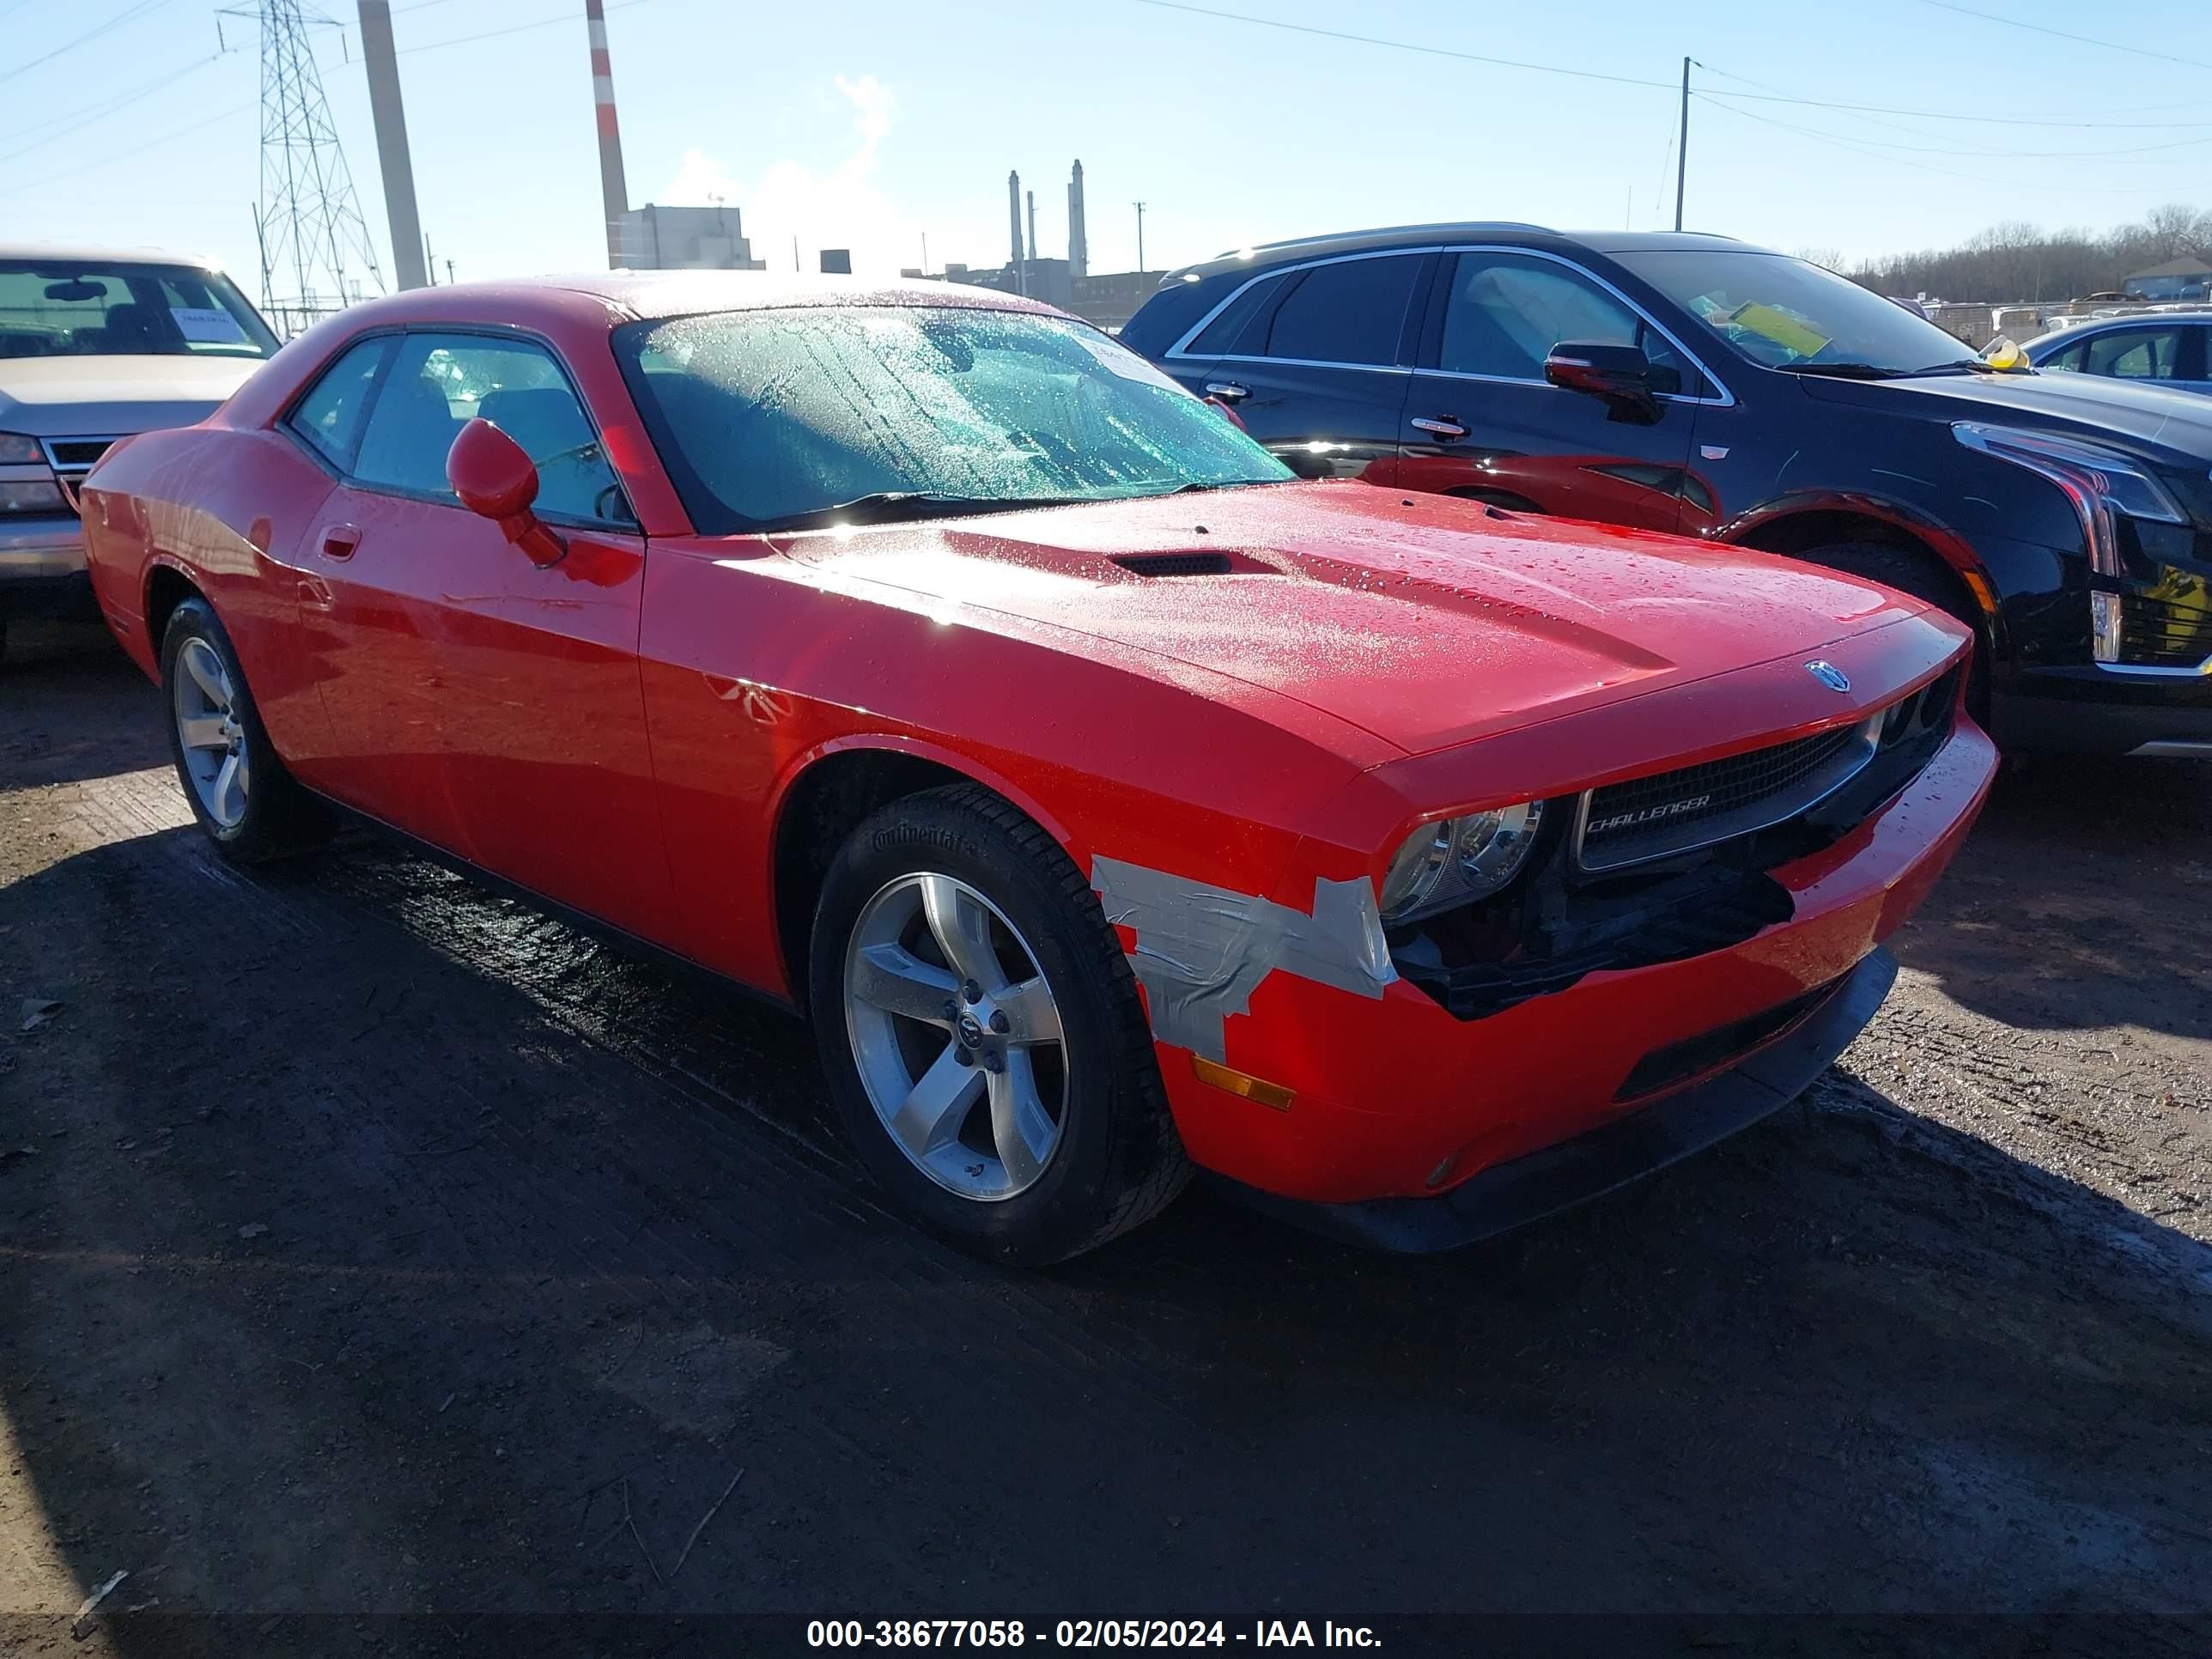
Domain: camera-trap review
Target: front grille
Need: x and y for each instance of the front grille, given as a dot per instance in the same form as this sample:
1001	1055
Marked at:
72	458
1695	805
76	454
2166	633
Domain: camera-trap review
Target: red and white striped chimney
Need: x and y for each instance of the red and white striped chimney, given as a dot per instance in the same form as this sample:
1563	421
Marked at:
613	188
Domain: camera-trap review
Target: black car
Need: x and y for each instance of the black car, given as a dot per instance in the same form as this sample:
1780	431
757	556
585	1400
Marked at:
1696	384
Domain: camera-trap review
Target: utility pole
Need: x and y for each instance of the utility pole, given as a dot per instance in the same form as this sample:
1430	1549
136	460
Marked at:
429	259
1682	148
390	118
1141	235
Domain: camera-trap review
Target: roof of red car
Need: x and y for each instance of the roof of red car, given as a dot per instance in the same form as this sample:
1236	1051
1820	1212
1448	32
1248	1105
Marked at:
683	292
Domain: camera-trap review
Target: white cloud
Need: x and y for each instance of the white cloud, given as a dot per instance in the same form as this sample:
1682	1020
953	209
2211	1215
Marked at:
842	207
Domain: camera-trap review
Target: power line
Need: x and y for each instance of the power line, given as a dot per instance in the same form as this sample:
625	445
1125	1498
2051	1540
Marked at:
125	154
1633	80
1999	155
2060	35
106	107
129	14
1858	149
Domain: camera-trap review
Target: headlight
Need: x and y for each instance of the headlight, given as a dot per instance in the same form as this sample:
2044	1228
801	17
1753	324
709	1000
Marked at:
32	498
1458	859
16	450
2098	482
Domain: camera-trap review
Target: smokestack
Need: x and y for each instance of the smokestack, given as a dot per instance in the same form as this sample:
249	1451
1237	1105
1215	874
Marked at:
614	189
1014	214
391	118
1079	241
1032	224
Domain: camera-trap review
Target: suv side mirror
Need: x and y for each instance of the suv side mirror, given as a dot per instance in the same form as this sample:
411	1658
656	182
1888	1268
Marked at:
1620	374
497	480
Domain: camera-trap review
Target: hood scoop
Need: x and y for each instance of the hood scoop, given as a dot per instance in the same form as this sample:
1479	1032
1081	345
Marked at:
1205	563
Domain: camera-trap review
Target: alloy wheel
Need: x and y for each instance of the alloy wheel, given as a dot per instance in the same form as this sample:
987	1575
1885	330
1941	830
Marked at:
956	1036
208	733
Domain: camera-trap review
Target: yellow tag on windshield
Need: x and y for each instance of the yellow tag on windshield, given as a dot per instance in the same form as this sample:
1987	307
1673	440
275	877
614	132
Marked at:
1780	327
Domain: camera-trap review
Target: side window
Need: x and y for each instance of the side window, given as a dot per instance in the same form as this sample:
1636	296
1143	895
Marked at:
1506	312
329	416
2136	354
1348	312
1220	334
2069	359
438	383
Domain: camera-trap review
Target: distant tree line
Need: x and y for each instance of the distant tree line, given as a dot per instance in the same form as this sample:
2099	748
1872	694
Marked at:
2018	261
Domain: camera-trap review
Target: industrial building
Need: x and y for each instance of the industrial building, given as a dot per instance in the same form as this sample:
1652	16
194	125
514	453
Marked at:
1109	299
653	238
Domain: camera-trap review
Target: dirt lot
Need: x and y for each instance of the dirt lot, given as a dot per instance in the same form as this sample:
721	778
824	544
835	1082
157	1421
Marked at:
370	1248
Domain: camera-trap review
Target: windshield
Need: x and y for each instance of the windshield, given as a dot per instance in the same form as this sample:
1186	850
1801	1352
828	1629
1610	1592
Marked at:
772	417
1783	314
64	309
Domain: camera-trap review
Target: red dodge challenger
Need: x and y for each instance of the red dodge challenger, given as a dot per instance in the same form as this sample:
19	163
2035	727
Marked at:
1114	802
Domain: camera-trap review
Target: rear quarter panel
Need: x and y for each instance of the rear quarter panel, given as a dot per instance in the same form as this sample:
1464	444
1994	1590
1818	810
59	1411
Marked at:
227	510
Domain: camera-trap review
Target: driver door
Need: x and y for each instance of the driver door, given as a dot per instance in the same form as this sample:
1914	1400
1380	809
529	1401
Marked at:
1481	420
531	674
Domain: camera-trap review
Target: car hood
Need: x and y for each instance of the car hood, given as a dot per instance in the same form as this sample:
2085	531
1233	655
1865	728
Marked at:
1425	621
2088	404
109	397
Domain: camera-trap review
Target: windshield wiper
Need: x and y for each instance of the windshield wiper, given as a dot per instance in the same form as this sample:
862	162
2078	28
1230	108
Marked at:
1847	371
1194	488
893	506
1961	366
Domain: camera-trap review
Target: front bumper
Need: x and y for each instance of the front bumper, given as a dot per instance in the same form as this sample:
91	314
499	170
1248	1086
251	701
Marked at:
1540	1183
1394	1098
2091	711
42	567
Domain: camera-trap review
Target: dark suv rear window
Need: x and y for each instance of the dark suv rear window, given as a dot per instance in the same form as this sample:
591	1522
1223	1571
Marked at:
1350	311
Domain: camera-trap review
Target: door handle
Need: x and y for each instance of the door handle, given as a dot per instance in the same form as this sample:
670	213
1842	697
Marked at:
1228	391
338	541
1443	429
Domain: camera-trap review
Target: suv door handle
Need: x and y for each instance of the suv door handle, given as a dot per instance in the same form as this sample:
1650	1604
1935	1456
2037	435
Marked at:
339	540
1228	391
1443	429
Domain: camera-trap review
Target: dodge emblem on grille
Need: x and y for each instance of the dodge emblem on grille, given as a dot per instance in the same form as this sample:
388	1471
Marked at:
1828	674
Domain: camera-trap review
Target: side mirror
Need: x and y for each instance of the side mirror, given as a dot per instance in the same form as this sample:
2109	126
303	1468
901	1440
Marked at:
497	480
1620	374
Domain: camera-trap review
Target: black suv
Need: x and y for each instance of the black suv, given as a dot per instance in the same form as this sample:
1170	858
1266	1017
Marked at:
1697	385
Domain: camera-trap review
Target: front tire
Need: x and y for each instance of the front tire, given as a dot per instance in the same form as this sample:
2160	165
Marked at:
244	801
982	1036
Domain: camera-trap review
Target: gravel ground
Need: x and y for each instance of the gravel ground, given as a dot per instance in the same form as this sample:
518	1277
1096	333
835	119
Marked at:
385	1267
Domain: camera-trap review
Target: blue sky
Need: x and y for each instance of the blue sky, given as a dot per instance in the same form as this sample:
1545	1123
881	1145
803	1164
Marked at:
870	123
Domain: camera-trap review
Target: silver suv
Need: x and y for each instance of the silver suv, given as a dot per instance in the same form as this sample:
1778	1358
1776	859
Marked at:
95	345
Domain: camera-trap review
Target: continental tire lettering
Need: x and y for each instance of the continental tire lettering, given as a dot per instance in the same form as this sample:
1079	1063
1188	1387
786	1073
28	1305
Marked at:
915	835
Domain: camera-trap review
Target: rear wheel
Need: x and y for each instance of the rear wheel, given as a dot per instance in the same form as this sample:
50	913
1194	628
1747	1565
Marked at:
982	1035
239	790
